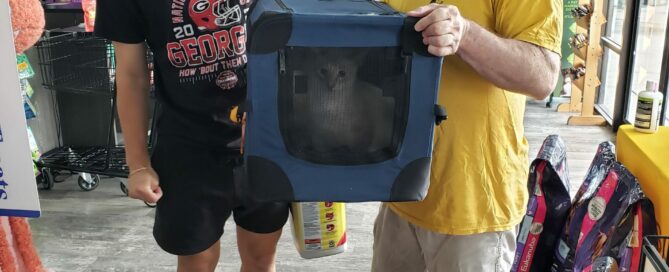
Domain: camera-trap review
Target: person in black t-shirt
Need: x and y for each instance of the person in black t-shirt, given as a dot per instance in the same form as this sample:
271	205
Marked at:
199	50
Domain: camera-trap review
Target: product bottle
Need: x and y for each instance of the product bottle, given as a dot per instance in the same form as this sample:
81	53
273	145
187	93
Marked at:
319	228
648	109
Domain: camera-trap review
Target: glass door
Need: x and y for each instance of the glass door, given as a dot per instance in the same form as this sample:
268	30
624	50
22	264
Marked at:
648	53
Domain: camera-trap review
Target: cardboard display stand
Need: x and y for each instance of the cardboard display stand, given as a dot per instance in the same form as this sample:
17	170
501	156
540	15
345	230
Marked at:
18	189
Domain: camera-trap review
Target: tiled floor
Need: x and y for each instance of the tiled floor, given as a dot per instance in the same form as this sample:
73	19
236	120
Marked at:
103	230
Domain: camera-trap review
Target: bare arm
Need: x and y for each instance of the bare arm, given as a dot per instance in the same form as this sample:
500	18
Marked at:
132	85
510	64
514	65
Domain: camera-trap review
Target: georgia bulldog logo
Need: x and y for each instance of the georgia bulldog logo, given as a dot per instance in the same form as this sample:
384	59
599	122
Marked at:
214	14
227	80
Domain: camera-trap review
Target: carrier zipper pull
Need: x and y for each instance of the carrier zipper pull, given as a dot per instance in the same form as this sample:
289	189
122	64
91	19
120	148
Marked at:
282	62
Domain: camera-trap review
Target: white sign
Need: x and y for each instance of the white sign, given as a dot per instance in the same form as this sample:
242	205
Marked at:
18	189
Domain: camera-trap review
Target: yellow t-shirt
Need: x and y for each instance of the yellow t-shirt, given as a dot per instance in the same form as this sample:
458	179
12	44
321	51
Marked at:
480	162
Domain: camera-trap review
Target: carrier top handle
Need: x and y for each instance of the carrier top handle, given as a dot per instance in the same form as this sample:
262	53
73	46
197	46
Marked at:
412	40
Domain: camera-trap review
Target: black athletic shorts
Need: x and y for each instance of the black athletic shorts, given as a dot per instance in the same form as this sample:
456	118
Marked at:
200	193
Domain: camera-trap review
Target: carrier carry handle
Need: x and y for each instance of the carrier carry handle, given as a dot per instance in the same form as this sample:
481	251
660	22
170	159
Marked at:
412	40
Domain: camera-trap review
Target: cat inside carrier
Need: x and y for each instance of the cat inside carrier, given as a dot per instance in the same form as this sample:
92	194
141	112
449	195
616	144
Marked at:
342	106
341	103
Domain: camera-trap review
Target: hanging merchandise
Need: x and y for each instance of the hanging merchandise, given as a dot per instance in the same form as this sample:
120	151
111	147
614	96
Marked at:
89	14
581	11
28	108
23	65
34	150
26	88
549	203
578	41
26	72
319	228
577	72
648	109
604	159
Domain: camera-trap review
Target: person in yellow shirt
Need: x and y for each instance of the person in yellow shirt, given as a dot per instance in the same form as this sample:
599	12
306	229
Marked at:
497	53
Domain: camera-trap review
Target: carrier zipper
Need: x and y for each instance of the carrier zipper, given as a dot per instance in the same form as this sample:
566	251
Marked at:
283	6
282	62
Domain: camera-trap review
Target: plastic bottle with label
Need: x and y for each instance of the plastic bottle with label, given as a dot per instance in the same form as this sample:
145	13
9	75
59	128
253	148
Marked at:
319	228
648	109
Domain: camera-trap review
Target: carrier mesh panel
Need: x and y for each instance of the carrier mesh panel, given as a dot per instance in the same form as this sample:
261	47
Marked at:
343	106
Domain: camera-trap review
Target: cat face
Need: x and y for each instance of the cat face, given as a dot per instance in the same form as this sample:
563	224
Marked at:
333	70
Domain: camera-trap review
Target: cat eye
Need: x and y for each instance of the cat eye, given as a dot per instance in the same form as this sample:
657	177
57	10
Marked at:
342	73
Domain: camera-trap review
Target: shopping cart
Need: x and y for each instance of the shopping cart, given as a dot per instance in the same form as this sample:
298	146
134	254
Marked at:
80	64
655	254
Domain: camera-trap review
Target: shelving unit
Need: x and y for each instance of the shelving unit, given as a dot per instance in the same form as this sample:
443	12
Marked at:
589	20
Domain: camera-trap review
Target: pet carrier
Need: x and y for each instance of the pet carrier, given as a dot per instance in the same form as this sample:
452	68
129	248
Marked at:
341	103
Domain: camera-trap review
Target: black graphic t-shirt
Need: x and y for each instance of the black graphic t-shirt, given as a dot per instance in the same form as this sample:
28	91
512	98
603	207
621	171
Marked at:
199	51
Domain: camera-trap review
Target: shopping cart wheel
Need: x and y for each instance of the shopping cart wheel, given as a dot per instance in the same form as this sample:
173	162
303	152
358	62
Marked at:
56	176
88	182
47	178
124	188
150	205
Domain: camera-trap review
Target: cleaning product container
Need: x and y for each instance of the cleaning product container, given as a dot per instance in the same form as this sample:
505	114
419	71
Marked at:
319	228
341	102
649	108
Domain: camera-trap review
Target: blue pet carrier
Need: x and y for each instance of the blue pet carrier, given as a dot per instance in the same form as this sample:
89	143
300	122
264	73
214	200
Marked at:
341	103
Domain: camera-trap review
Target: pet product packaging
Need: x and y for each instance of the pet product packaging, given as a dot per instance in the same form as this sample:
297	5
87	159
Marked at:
319	228
615	195
549	202
623	247
602	162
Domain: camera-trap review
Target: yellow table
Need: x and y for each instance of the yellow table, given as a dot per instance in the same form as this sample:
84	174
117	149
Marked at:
647	157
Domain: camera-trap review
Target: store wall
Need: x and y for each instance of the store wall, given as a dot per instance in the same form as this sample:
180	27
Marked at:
44	126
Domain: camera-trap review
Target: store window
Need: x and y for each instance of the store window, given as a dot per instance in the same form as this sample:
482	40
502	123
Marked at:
610	72
615	17
649	49
612	44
